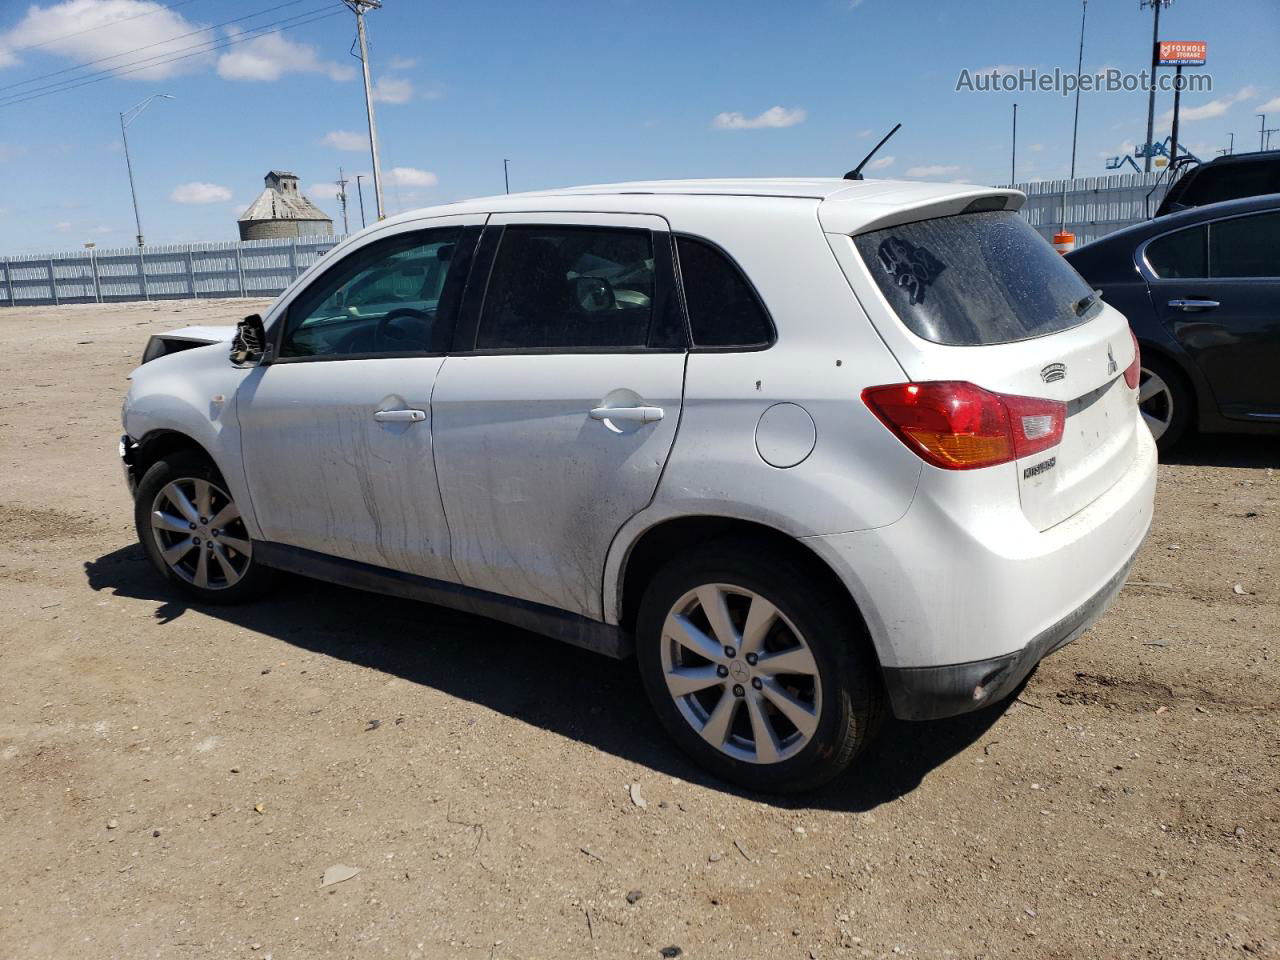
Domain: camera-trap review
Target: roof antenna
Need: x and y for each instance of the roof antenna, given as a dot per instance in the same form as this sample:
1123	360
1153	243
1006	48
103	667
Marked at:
856	172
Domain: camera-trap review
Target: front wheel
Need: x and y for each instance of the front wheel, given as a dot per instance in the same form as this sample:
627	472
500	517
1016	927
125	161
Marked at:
756	669
192	531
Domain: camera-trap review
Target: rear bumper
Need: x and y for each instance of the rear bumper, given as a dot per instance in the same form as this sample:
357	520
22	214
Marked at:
930	693
964	592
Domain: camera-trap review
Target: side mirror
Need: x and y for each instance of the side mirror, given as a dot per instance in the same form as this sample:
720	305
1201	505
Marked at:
249	346
593	294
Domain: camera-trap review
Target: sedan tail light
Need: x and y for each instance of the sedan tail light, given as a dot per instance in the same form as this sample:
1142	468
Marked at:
958	425
1134	370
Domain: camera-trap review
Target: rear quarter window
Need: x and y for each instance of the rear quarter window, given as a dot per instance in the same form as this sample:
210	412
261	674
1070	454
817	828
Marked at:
975	278
724	310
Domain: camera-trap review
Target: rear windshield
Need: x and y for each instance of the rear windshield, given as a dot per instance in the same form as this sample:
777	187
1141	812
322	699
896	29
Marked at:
976	278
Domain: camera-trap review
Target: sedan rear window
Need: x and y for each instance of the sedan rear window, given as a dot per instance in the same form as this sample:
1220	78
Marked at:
976	278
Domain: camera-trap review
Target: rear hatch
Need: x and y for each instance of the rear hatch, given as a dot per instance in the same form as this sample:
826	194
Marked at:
981	297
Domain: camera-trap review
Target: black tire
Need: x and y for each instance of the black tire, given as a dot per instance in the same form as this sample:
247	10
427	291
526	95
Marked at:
182	466
1177	406
852	700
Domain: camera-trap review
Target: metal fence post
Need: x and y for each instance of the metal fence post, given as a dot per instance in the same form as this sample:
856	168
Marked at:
142	276
240	266
8	281
191	273
293	256
93	271
53	282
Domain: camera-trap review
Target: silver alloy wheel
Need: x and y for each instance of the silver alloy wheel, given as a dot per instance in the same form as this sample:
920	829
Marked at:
741	674
1155	400
200	533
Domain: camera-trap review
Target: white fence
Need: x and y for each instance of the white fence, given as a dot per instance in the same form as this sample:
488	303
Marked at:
1095	206
252	268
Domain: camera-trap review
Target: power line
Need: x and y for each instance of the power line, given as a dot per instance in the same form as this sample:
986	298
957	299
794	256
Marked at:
158	43
109	23
220	44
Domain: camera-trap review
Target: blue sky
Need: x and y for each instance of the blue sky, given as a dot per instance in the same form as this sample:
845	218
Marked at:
572	93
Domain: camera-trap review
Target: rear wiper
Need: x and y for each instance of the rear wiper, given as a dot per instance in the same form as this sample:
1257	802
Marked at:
1084	303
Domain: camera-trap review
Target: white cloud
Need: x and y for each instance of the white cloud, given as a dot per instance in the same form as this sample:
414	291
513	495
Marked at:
393	90
1271	106
1214	108
63	226
936	170
879	163
345	140
774	117
863	134
89	30
410	177
325	191
197	192
271	56
1036	148
403	63
1125	149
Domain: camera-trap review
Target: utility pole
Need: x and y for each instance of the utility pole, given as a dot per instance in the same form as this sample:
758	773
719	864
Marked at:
1075	123
1155	65
360	194
358	7
1177	107
127	118
506	180
1231	145
342	199
1262	129
1013	151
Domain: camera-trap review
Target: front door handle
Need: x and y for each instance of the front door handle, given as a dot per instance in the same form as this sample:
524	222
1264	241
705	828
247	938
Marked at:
628	414
1193	305
400	416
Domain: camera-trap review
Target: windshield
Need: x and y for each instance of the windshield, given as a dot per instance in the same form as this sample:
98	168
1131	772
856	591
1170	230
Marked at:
976	278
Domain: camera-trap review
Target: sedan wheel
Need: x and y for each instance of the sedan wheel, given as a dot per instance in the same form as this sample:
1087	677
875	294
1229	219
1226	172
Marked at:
1155	400
741	674
200	534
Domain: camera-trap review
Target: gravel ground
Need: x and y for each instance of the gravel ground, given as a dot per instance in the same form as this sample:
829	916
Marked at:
177	781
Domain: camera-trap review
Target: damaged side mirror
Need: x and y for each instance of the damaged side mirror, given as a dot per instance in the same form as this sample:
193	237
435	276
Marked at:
249	346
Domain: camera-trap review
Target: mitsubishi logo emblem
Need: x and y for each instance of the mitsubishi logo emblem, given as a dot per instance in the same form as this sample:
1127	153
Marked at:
1112	366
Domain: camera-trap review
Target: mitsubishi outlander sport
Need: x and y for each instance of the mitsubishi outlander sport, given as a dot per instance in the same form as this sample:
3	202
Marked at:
810	450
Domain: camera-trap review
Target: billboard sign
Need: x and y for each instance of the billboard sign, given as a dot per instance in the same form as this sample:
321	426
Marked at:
1182	53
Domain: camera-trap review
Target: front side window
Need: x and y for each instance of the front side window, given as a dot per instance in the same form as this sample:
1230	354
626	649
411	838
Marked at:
975	278
724	310
564	287
1245	246
384	298
1179	255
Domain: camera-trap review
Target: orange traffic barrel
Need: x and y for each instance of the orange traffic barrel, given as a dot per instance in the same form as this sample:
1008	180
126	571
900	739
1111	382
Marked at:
1064	242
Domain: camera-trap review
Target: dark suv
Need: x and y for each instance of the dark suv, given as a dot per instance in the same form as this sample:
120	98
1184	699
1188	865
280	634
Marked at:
1226	178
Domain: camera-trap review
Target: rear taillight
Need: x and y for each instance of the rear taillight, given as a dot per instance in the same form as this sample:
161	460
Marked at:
960	426
1134	370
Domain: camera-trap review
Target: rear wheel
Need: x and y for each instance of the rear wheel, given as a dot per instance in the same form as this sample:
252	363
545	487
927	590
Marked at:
193	532
755	668
1164	397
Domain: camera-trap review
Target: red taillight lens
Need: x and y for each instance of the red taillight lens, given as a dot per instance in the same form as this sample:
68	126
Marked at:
1134	370
960	426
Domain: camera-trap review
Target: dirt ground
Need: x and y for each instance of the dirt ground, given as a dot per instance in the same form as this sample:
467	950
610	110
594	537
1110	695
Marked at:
174	781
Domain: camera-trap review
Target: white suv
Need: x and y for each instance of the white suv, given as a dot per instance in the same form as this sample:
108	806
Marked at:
809	449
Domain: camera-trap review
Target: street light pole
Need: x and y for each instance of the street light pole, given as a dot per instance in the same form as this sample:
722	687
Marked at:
1155	65
358	7
127	118
360	194
506	179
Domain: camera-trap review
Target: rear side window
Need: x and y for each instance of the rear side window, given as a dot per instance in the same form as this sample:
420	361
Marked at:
1245	246
724	310
1230	182
976	278
1179	255
570	288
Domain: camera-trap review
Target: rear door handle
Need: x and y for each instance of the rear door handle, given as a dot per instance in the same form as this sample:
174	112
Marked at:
628	414
400	416
1191	305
